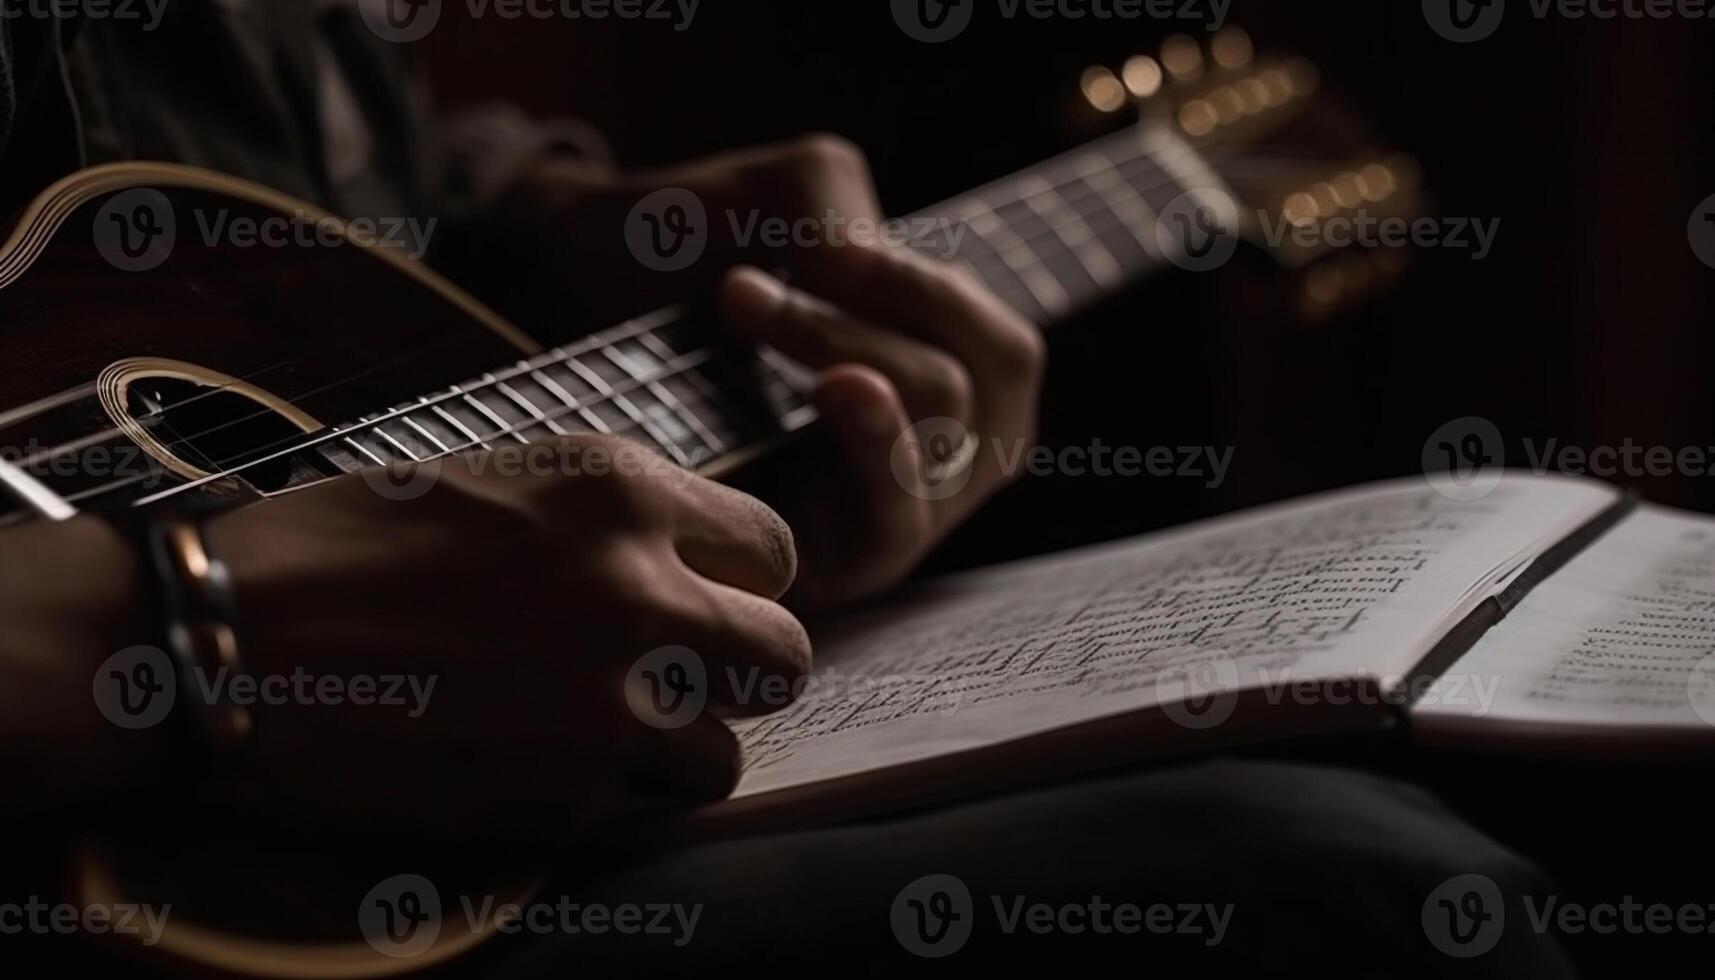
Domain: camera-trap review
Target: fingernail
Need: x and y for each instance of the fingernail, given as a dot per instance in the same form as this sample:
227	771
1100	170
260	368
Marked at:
757	292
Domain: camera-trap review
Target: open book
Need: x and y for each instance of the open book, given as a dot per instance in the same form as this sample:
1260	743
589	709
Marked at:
1551	612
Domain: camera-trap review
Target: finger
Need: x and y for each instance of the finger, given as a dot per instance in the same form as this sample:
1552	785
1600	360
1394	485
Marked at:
939	306
752	649
733	538
866	417
696	763
931	382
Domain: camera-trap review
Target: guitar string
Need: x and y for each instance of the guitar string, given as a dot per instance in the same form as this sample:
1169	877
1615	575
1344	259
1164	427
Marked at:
605	341
1001	270
674	368
1053	231
560	355
1110	165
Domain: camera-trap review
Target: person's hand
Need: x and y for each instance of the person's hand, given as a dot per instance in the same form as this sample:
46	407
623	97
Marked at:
912	357
526	600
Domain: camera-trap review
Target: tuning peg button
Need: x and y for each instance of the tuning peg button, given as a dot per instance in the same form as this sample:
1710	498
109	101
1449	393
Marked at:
1103	89
1142	75
1182	57
1231	49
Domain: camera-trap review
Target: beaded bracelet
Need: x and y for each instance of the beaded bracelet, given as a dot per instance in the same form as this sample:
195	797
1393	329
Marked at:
195	591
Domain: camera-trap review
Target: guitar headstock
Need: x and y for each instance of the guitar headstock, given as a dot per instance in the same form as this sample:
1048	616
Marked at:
1306	174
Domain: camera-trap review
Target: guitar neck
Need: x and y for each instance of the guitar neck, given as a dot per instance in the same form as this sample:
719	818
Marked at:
1059	236
1049	240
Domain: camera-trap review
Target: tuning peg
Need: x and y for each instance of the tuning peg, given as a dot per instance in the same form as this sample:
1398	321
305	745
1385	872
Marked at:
1182	58
1142	75
1231	49
1103	89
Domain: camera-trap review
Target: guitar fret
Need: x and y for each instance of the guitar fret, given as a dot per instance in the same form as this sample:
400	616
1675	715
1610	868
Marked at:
710	441
1044	288
1077	235
530	409
656	345
502	427
452	420
590	375
1135	214
427	435
400	447
365	451
558	391
1039	240
679	447
724	423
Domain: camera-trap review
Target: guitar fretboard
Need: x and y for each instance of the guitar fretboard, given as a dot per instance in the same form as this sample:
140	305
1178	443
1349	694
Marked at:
1049	241
1055	238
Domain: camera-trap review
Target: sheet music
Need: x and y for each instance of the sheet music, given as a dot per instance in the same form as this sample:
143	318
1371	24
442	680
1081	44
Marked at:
1624	635
1344	584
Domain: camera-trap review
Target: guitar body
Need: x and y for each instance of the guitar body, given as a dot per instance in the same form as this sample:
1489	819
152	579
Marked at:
310	335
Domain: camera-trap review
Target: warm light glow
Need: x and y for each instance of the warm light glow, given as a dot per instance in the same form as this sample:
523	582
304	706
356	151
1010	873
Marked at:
1300	209
1229	103
1182	58
1348	190
1232	49
1279	84
1142	76
1326	199
1376	183
1198	117
1257	93
1103	89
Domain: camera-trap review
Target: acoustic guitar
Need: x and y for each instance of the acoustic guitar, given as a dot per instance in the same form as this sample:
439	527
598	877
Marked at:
146	365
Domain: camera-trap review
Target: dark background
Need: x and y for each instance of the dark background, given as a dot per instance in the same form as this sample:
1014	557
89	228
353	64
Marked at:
1588	139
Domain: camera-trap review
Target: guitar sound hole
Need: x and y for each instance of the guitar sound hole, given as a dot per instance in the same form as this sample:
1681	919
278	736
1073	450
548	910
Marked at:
214	429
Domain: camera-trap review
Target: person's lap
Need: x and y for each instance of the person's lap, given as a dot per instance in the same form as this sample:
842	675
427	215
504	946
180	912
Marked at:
1268	867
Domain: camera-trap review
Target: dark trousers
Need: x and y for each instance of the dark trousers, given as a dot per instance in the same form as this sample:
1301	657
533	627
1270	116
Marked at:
1261	867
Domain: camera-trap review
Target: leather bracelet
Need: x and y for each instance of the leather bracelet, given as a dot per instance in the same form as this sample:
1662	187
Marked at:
201	618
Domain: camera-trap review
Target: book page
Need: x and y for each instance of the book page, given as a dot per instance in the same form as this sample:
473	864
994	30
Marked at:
1622	636
1360	582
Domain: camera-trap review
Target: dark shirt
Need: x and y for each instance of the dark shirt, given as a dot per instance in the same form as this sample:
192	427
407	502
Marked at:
299	95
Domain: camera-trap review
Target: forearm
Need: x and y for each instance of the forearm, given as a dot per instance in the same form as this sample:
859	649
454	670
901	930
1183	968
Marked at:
70	597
